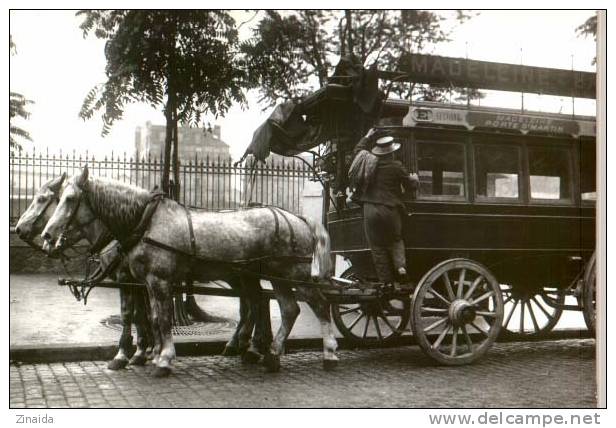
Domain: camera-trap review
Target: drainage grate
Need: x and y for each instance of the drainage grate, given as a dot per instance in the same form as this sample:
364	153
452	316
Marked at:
225	326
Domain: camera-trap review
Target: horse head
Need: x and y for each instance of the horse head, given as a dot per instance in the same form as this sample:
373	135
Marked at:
72	214
33	220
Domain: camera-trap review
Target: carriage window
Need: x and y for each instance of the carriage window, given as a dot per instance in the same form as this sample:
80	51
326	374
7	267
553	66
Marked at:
497	171
441	169
550	173
588	171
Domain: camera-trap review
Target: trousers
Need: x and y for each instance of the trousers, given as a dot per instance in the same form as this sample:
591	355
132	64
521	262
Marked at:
383	228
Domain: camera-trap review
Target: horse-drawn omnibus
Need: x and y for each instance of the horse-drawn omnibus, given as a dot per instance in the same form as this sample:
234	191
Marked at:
499	233
513	191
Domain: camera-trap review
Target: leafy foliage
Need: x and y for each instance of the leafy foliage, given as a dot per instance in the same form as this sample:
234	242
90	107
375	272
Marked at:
152	55
17	109
291	55
589	28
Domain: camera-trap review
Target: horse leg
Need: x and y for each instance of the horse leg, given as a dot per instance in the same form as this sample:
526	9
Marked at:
139	358
126	339
252	291
289	310
263	329
163	305
321	308
154	327
232	346
262	338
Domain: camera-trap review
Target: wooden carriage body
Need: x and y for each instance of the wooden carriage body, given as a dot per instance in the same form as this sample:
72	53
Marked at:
512	191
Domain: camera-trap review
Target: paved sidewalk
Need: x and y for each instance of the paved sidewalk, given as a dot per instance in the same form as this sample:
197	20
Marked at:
540	374
43	313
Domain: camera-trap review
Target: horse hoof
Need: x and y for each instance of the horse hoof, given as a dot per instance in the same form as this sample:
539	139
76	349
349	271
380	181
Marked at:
161	372
117	364
272	363
230	351
329	364
138	360
251	357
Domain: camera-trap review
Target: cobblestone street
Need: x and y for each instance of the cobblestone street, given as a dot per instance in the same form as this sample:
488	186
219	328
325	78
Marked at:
540	374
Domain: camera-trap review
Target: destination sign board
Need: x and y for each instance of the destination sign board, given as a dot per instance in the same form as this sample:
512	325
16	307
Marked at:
459	72
523	123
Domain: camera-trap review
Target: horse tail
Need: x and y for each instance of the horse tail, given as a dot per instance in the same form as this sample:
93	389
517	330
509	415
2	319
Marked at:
322	265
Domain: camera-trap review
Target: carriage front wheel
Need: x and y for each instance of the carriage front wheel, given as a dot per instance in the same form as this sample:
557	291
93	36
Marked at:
457	311
373	322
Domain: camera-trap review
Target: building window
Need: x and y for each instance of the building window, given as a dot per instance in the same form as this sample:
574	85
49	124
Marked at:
441	169
550	173
497	171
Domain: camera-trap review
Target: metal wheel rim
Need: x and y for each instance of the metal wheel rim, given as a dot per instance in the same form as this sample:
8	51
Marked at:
442	336
589	303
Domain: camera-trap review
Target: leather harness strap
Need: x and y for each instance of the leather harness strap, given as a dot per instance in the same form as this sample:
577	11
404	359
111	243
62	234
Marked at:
144	223
191	232
291	230
276	226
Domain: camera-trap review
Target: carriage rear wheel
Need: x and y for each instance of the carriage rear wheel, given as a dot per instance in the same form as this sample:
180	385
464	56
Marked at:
531	313
457	311
373	322
589	294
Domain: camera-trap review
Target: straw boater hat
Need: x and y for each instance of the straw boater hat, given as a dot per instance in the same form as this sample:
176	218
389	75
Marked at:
385	145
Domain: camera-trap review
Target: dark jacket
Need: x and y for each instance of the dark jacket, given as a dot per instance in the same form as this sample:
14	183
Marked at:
387	182
386	187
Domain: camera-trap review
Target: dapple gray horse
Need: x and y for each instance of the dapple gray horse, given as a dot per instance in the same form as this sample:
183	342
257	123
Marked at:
289	249
134	302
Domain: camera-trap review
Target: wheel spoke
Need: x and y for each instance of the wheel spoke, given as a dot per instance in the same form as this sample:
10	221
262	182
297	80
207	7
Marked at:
507	300
467	339
354	323
474	285
532	317
542	308
435	324
390	325
346	311
483	297
436	310
378	329
440	338
487	314
448	286
433	291
461	283
522	316
485	333
510	314
366	326
454	342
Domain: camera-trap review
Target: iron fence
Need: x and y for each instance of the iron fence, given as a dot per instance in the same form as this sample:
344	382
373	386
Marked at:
209	183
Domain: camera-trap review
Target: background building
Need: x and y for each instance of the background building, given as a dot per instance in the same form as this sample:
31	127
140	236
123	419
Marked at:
199	142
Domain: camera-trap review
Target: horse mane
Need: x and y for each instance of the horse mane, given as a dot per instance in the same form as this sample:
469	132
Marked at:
119	205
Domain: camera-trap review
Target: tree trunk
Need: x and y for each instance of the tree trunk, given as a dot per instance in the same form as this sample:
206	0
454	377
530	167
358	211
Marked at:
349	32
176	163
168	142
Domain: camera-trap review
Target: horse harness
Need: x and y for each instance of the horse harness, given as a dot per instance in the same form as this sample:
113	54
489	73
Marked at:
53	198
138	234
276	212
